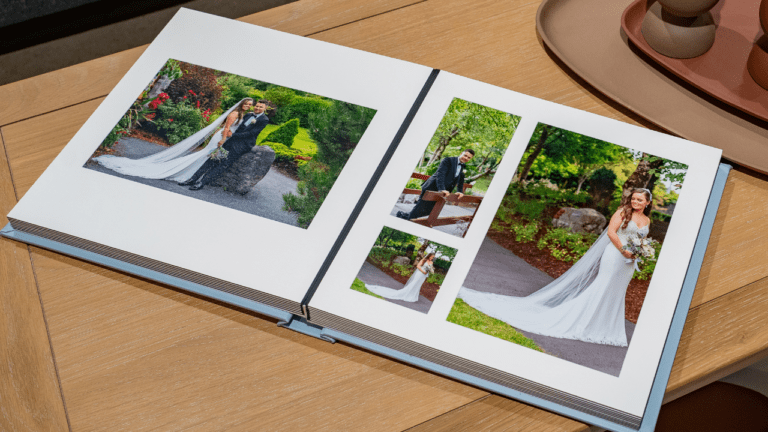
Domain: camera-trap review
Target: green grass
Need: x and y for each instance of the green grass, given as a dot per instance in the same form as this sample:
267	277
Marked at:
359	285
466	316
481	184
302	141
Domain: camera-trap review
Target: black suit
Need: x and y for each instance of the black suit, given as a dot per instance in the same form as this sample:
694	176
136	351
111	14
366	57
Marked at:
444	179
240	143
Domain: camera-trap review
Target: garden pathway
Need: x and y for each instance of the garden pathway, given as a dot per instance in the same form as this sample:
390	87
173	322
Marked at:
266	200
448	211
499	271
373	276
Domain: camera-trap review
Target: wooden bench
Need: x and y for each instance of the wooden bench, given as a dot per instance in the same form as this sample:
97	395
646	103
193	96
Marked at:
434	218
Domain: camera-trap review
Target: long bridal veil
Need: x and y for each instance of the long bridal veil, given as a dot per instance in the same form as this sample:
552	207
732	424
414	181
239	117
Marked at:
173	162
585	303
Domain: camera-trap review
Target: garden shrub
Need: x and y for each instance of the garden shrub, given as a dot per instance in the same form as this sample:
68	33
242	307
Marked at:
556	198
301	107
659	216
436	278
441	263
530	209
178	120
381	254
283	153
403	270
280	96
316	180
525	232
285	133
234	88
197	84
414	184
566	245
114	135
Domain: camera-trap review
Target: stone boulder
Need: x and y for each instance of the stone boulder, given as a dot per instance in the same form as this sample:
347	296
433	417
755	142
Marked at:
402	260
243	175
584	220
408	199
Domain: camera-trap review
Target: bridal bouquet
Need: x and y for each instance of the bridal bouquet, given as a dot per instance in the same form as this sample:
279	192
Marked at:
219	154
641	247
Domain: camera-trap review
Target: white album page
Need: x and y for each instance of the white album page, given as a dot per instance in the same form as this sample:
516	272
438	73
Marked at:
485	276
274	236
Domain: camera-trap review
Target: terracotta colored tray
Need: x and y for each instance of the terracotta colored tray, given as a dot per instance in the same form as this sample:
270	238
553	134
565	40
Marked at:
587	36
721	71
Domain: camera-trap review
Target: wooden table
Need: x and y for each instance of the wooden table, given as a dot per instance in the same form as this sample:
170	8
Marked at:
87	348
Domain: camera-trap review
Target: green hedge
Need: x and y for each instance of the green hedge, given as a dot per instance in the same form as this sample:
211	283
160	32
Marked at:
282	152
285	133
301	107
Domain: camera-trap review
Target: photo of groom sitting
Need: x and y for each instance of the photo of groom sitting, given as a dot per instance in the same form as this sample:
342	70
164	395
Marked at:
249	145
449	182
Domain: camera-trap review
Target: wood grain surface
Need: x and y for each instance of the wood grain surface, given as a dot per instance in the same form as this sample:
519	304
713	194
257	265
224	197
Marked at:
30	398
133	355
96	78
495	413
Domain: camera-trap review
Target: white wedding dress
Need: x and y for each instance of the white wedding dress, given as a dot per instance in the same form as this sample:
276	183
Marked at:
410	292
586	303
176	163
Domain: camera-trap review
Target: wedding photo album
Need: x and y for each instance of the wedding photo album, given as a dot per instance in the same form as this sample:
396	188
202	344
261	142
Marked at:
528	248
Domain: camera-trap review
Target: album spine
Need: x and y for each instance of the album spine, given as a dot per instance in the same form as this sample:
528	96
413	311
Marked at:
367	192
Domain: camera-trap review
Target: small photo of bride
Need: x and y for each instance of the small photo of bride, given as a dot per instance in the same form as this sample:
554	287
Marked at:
449	181
404	269
567	261
234	141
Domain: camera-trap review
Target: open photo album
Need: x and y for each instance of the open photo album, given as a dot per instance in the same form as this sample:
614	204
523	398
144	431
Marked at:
541	252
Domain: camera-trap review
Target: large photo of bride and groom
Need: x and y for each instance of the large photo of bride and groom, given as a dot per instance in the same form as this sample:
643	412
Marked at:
567	261
234	141
404	269
452	176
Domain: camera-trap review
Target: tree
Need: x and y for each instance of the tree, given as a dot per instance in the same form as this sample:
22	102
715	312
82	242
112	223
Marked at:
388	235
280	96
199	84
336	131
234	89
650	169
543	136
469	125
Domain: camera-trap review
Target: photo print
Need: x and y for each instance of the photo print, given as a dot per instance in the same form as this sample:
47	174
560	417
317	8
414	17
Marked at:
234	141
404	269
566	264
451	178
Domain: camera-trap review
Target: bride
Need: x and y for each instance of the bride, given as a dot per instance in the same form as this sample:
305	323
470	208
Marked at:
587	302
410	292
178	162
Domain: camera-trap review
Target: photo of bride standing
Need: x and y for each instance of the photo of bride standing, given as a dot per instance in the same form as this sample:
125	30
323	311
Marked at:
234	141
404	269
566	264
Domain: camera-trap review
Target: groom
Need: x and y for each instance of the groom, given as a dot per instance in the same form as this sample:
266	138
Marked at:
240	143
449	175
